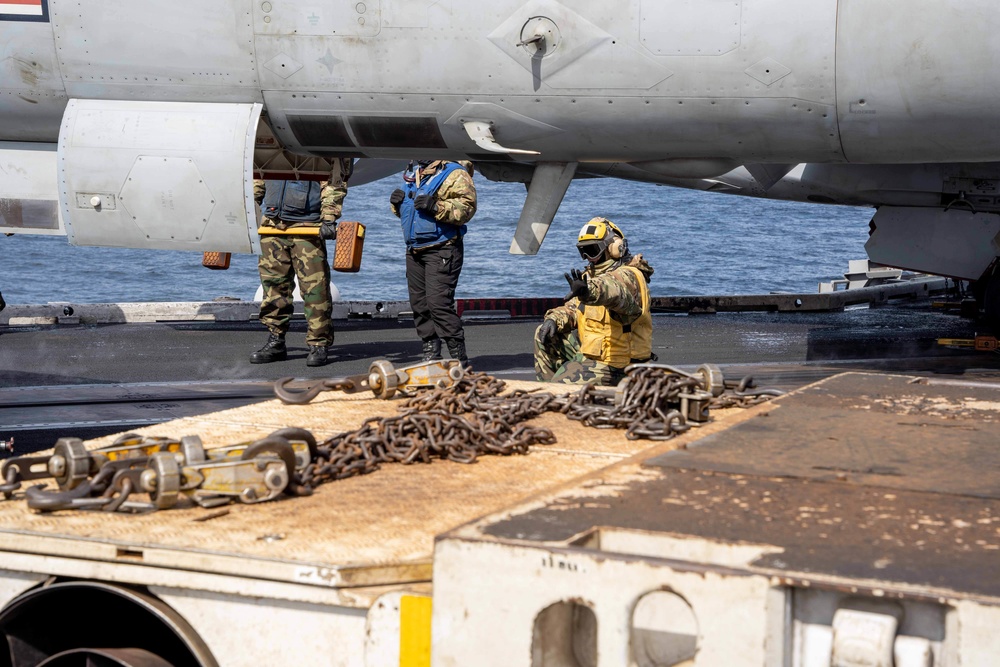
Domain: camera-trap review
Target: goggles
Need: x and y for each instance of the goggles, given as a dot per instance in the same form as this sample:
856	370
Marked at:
591	251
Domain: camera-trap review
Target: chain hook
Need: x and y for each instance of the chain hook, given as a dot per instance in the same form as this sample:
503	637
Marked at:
298	397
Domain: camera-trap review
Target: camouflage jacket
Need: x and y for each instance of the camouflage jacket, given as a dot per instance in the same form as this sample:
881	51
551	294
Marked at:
332	196
610	286
456	198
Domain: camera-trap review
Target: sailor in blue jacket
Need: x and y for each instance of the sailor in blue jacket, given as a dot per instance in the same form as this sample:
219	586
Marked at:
437	199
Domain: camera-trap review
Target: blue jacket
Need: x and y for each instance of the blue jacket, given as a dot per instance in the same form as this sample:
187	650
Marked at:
420	229
293	201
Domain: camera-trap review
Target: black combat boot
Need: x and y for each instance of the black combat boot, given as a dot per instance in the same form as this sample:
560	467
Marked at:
431	350
274	350
317	355
456	348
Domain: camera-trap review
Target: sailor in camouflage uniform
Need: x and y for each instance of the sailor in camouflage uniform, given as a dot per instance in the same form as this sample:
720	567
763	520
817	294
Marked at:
298	218
605	324
435	202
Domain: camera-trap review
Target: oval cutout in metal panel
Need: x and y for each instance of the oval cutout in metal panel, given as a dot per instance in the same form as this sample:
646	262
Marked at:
565	635
664	631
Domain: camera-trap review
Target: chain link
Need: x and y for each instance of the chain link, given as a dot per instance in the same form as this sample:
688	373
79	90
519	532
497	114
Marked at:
743	394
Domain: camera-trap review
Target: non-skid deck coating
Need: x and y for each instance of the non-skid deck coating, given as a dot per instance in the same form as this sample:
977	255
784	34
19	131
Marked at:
368	530
884	480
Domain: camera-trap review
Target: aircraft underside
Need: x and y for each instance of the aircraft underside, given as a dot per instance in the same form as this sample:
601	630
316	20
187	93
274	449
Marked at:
129	132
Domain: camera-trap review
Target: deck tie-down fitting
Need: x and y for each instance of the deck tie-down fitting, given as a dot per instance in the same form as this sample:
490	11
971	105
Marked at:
164	468
382	378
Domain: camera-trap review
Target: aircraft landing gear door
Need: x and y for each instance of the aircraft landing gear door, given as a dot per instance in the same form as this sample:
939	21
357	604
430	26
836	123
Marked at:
163	175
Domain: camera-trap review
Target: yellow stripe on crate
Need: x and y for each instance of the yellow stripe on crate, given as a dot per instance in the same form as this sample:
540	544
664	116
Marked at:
414	631
291	231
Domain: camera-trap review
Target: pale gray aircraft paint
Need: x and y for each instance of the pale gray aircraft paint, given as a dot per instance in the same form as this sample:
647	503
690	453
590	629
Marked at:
141	122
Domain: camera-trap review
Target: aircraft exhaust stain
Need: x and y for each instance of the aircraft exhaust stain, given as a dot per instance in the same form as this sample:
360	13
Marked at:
28	70
28	100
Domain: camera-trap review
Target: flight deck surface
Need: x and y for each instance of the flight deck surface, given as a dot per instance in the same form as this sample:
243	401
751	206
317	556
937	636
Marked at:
93	380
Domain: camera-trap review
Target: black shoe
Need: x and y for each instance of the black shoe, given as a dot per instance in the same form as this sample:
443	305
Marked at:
317	355
456	348
431	350
274	350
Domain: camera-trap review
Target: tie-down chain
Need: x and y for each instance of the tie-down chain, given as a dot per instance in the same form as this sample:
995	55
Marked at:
473	417
458	418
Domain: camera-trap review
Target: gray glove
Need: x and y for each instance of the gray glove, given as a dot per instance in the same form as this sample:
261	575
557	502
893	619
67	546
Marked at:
328	230
547	331
397	196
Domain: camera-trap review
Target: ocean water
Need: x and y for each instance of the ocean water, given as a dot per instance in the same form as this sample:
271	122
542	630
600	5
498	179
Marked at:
698	243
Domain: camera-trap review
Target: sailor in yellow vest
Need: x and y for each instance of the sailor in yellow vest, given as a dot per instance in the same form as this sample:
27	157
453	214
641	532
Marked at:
605	324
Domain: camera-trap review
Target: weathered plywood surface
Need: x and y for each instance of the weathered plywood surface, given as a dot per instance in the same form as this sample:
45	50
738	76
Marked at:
365	530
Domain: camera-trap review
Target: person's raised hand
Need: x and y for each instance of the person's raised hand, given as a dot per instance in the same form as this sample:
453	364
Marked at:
577	284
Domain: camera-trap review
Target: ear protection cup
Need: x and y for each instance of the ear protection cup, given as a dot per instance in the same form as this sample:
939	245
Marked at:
618	248
615	249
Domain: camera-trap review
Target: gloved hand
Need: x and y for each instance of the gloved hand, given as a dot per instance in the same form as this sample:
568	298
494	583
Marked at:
547	331
425	203
397	196
577	284
328	230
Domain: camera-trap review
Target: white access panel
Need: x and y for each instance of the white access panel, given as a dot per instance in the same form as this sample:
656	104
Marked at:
917	81
161	175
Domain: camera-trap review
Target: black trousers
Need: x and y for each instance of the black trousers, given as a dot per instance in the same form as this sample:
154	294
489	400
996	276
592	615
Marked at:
432	276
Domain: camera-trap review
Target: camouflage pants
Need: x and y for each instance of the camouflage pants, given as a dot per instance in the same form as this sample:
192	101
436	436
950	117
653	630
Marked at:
561	361
282	259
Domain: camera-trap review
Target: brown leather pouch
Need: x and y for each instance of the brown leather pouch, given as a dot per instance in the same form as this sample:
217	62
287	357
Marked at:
350	242
218	261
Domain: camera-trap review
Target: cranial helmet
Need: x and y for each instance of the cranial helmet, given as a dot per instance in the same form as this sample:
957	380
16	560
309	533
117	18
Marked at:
599	239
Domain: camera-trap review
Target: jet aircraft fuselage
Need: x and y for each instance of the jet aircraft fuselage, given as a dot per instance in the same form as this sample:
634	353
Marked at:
837	101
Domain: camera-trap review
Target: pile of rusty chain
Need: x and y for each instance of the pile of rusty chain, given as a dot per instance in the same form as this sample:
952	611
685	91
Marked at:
474	417
657	403
458	423
646	404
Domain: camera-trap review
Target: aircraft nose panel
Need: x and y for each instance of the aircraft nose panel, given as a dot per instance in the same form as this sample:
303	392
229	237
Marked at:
164	175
